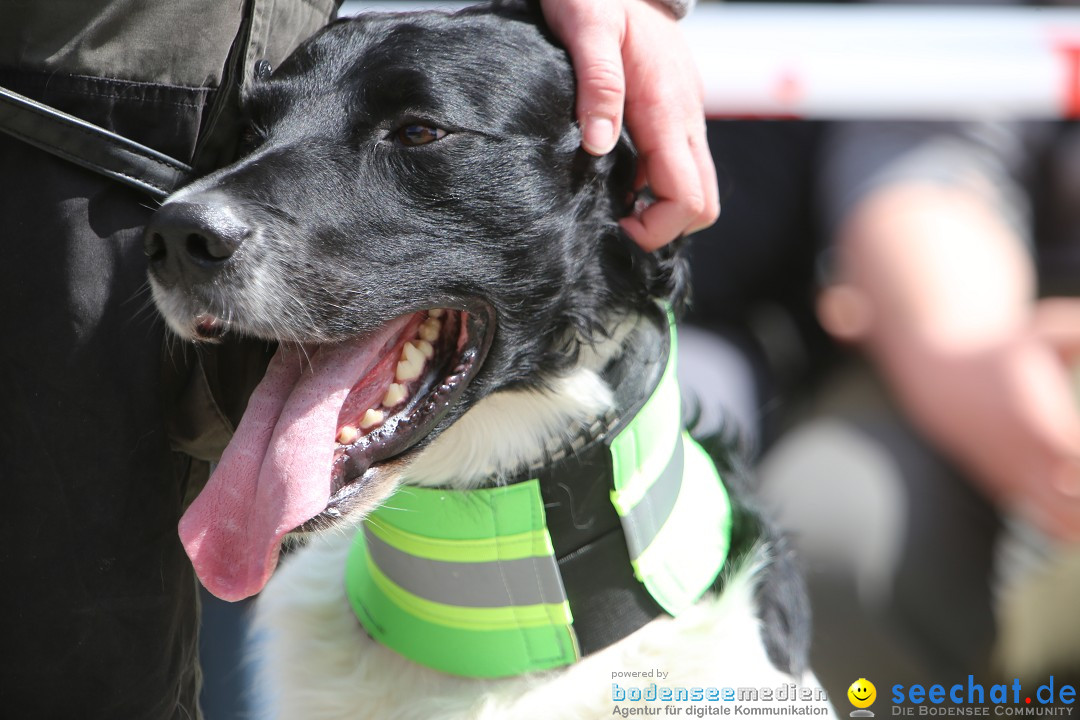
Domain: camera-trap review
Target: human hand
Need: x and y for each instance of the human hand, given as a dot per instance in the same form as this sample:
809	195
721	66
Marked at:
1007	413
633	51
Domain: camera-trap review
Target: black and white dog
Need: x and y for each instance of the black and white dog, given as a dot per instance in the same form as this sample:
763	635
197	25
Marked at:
458	313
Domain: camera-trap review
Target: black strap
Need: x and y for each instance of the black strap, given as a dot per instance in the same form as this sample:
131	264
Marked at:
90	146
608	602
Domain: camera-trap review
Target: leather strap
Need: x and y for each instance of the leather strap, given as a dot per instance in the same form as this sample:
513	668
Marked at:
90	146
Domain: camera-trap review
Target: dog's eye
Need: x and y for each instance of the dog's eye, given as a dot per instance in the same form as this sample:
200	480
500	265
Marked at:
419	134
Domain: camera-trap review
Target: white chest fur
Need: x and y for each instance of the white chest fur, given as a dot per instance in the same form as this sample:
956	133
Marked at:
316	663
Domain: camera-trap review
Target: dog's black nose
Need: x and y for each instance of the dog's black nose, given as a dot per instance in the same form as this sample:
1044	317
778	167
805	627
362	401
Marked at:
193	239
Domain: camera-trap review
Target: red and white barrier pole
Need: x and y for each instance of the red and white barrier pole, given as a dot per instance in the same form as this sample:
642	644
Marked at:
878	61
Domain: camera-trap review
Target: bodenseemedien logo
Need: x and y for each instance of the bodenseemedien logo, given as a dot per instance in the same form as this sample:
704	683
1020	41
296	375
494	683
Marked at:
862	695
658	699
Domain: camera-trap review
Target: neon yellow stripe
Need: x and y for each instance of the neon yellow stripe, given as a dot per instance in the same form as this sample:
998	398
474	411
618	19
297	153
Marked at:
501	618
471	652
509	547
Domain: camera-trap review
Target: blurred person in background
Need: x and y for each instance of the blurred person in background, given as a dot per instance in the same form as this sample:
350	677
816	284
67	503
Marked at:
932	479
928	506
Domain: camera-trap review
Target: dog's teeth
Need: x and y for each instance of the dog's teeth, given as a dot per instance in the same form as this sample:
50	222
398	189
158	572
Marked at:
429	329
407	371
371	419
347	435
436	312
426	348
413	354
411	364
394	395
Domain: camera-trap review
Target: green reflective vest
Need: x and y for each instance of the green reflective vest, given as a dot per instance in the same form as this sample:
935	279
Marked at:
467	582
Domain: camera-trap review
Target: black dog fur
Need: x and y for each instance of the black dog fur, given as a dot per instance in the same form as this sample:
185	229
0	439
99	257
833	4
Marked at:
348	225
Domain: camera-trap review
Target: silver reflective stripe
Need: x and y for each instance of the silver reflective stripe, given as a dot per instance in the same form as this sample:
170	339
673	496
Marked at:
502	583
642	524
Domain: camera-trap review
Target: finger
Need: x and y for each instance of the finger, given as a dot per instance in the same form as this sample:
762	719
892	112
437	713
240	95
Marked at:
593	34
1041	393
657	226
1049	420
1058	517
1065	478
673	176
1057	322
699	148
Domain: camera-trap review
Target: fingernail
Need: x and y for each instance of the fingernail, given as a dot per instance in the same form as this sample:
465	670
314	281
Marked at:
599	135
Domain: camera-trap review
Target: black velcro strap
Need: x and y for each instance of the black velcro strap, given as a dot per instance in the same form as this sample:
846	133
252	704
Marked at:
607	601
90	146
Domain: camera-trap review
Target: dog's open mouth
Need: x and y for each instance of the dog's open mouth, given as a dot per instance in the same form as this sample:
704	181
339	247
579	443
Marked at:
314	430
408	391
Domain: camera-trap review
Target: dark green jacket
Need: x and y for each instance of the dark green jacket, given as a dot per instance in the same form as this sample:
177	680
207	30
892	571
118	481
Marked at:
99	616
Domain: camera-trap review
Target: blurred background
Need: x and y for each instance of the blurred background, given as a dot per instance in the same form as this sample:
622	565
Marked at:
884	316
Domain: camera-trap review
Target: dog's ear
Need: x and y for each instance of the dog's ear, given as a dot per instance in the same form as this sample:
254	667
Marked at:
623	173
616	171
529	11
637	277
664	273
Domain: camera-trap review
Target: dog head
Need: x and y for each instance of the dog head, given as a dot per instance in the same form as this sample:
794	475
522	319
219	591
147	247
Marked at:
414	221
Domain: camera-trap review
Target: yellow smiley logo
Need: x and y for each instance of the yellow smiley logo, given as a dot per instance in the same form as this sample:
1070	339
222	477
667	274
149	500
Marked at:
862	693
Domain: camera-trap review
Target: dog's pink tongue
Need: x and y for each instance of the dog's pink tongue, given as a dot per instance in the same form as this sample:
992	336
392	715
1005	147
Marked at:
276	473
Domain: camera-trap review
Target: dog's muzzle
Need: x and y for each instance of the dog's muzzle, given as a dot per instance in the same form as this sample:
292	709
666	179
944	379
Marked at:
193	241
